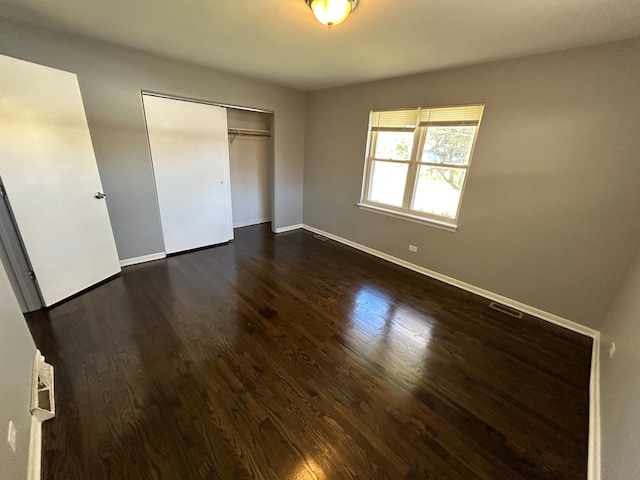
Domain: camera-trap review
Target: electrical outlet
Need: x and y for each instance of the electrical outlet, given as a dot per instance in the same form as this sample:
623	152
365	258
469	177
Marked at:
12	434
612	349
413	248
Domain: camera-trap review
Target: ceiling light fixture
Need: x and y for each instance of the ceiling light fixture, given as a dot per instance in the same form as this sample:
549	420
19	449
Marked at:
332	12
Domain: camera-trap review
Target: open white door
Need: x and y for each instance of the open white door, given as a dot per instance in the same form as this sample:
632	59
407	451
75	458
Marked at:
190	154
50	175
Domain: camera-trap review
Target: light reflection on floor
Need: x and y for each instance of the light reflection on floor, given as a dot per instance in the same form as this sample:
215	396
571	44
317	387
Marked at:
308	470
389	333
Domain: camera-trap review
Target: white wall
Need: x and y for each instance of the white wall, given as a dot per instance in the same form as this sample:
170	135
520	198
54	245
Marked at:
620	384
251	160
17	352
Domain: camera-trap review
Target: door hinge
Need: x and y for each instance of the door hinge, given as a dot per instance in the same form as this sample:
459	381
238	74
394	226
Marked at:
32	275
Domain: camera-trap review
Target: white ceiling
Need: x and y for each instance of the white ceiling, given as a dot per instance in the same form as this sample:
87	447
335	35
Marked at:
280	41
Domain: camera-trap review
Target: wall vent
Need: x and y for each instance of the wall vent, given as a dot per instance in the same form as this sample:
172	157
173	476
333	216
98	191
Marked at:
508	310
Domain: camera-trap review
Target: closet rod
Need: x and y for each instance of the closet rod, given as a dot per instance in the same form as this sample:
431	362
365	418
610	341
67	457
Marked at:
249	131
246	132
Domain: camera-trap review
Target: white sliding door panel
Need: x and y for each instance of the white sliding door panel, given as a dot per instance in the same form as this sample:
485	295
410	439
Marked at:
50	174
190	154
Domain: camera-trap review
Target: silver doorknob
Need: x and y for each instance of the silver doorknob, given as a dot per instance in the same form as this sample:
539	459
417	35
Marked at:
99	195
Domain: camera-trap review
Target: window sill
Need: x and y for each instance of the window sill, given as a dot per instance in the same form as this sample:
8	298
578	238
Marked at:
442	225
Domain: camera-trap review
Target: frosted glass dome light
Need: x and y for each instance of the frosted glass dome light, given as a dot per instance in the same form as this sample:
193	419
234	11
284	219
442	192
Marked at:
332	12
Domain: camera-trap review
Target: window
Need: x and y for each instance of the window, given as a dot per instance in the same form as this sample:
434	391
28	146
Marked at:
418	162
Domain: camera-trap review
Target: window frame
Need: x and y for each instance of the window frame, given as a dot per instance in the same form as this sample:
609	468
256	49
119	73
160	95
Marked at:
414	163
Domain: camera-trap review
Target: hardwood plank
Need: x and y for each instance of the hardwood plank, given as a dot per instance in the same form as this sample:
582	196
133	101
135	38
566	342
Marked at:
278	357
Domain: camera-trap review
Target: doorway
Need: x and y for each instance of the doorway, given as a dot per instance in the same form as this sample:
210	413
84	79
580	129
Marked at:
213	168
251	161
15	260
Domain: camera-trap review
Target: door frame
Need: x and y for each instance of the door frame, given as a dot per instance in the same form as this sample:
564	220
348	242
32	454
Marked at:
16	260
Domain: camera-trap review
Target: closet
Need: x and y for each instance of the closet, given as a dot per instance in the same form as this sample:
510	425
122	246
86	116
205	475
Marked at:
212	167
251	161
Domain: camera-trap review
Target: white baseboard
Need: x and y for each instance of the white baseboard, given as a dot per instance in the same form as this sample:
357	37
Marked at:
251	222
536	312
289	228
34	467
144	258
594	383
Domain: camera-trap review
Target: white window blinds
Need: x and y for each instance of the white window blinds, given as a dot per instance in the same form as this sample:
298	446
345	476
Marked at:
402	120
408	119
464	115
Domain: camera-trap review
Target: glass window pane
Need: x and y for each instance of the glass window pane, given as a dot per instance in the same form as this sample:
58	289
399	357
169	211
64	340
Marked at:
448	145
438	190
394	145
388	182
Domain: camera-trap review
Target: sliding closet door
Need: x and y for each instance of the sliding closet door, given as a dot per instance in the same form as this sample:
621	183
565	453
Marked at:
51	179
190	154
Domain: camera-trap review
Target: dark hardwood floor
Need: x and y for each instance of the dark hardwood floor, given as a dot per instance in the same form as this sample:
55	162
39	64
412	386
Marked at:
288	357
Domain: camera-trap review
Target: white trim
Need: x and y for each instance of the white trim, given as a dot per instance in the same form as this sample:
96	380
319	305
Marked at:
536	312
144	258
288	229
205	102
34	467
594	465
594	456
432	222
251	222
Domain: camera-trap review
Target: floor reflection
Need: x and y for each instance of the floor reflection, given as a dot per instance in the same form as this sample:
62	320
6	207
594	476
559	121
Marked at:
388	332
285	357
308	470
